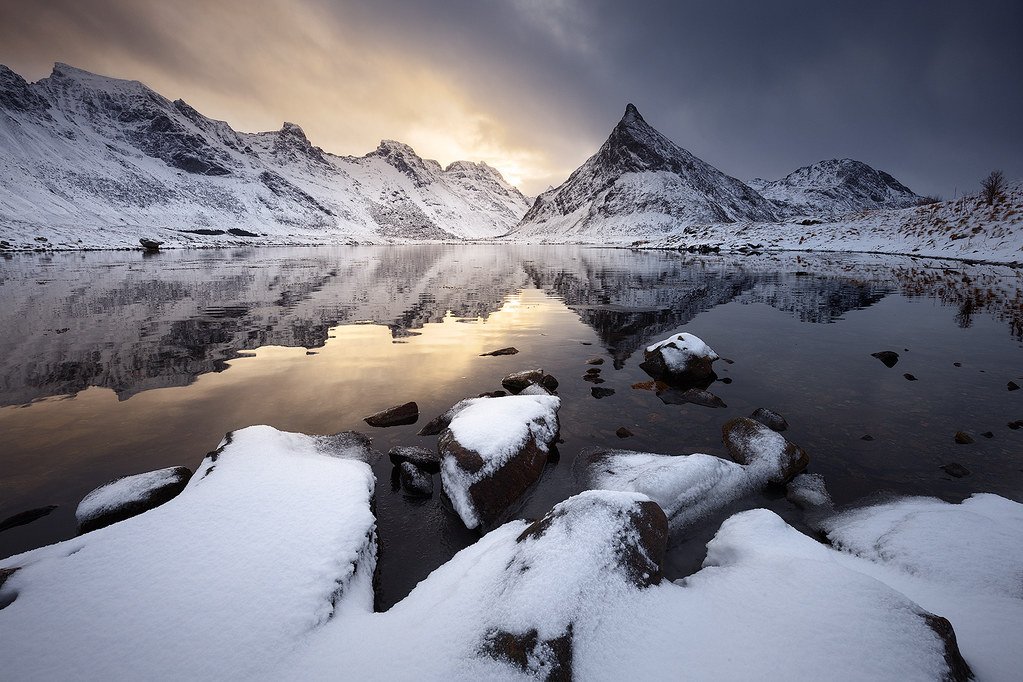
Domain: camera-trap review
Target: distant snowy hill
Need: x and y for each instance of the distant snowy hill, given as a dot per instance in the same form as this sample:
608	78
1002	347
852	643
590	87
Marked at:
828	189
639	182
90	161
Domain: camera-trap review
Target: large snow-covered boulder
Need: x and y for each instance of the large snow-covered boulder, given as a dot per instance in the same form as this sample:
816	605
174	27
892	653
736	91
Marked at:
272	536
682	358
129	496
687	487
493	451
751	442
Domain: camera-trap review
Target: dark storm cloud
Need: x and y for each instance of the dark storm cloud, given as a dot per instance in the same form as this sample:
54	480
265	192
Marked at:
929	91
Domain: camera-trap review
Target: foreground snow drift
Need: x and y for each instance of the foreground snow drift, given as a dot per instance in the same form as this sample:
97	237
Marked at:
272	534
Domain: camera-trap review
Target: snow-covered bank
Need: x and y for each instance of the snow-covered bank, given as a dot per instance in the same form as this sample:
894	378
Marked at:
270	538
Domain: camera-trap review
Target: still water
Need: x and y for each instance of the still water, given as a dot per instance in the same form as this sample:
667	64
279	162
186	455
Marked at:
116	363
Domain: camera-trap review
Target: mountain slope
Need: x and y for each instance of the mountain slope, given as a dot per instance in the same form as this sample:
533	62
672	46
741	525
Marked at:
95	161
639	181
828	189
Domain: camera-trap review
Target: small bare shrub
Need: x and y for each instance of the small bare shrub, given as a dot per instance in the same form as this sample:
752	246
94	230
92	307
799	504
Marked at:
992	187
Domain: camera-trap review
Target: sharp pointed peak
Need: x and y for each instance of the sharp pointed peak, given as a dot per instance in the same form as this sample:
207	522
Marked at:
632	115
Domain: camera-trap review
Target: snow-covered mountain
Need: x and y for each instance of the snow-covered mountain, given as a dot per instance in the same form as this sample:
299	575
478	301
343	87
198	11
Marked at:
639	182
828	189
90	161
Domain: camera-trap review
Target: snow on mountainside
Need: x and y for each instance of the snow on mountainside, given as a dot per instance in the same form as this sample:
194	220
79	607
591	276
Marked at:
90	161
639	181
828	189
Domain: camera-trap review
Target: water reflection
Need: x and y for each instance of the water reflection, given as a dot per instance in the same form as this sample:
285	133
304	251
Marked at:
119	321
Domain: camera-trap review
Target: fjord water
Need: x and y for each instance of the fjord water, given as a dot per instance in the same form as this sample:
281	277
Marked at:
114	363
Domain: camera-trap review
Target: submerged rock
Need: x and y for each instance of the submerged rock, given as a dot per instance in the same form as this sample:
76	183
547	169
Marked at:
424	458
698	396
770	419
599	392
501	351
519	381
399	415
909	377
888	357
1012	386
750	442
681	359
129	496
955	469
415	480
623	432
493	451
963	438
25	517
595	360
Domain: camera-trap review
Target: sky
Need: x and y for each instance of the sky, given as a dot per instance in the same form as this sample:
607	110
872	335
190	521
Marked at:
929	91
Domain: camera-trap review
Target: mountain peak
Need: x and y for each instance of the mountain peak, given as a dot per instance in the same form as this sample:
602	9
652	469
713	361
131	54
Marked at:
632	114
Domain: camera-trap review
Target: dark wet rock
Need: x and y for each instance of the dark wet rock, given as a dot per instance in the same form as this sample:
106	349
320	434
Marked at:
6	573
748	441
725	380
599	392
424	458
988	434
415	481
623	432
518	381
963	438
909	377
808	491
483	485
593	378
501	351
957	364
593	370
770	419
406	413
129	496
490	394
1016	424
28	516
955	469
728	361
441	421
888	357
150	244
866	437
542	659
698	396
683	359
595	360
958	669
1013	386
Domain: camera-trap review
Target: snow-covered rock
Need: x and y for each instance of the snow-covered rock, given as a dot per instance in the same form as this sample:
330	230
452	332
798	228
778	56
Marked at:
493	451
638	183
808	491
752	443
272	537
687	487
828	189
683	358
415	481
91	161
518	382
129	496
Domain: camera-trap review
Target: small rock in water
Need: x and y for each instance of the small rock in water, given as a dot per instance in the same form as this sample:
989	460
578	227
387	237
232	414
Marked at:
725	380
595	360
424	458
399	415
598	392
623	432
888	357
909	377
867	437
586	343
988	434
501	351
808	491
415	482
21	518
593	378
957	364
1016	424
770	419
150	244
1013	386
963	438
593	370
955	469
727	361
682	358
700	397
517	381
